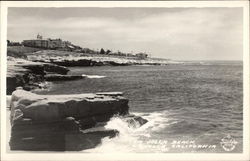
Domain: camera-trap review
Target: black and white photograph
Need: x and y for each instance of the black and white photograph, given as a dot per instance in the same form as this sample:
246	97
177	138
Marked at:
125	78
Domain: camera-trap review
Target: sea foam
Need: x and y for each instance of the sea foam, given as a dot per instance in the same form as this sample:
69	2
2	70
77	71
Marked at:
93	76
133	138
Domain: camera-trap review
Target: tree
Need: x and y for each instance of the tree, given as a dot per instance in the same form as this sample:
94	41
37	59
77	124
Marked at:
102	51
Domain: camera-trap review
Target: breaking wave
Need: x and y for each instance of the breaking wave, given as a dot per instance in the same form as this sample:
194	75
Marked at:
93	76
43	86
133	138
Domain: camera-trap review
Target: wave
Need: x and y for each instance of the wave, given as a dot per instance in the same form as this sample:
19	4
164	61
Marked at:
93	76
133	138
44	86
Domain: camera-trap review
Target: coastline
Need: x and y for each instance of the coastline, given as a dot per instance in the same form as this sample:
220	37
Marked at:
29	114
31	67
65	122
28	67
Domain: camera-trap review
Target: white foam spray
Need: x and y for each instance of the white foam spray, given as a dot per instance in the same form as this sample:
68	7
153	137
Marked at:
93	76
133	138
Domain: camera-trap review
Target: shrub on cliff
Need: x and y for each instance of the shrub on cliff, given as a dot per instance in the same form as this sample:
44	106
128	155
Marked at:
20	51
108	51
16	54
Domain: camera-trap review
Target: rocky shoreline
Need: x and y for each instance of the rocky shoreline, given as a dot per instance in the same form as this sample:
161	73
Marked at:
59	122
65	122
51	65
30	75
71	59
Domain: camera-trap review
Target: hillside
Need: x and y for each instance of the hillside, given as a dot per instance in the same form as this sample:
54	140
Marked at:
20	51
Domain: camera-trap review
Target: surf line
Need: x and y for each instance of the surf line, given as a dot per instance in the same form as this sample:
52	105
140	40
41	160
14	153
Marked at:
93	76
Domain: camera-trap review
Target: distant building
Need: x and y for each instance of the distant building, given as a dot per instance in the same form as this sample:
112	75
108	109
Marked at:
36	43
47	44
55	43
141	55
130	55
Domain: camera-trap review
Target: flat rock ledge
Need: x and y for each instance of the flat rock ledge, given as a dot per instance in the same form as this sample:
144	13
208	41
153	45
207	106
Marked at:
29	75
59	122
59	77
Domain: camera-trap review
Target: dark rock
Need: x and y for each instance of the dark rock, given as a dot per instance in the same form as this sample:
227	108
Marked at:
89	122
56	107
87	140
64	122
35	68
110	93
31	86
113	63
59	77
72	63
28	128
13	82
75	141
48	109
135	121
29	74
52	68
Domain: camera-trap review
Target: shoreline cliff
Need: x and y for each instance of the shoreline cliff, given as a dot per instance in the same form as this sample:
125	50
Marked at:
58	122
31	67
70	59
65	122
30	75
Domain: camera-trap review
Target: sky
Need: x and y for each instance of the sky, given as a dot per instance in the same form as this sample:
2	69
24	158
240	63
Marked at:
173	33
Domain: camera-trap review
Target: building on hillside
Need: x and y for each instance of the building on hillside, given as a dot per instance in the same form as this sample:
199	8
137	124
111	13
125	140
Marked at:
55	43
130	55
36	43
48	44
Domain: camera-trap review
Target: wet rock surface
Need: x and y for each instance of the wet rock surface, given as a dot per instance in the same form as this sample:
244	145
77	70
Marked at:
62	122
29	75
60	77
135	121
81	62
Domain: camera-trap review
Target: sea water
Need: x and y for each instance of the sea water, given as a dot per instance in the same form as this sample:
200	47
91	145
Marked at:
190	107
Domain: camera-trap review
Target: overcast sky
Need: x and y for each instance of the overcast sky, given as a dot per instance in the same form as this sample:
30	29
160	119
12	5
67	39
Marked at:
174	33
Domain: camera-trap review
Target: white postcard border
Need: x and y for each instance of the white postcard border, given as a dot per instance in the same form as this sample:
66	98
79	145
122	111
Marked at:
125	156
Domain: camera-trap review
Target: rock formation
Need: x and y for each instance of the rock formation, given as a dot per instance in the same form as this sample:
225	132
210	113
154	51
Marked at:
58	122
70	59
60	77
28	74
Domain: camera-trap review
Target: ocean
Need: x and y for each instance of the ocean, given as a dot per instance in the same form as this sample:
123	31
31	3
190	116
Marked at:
190	107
